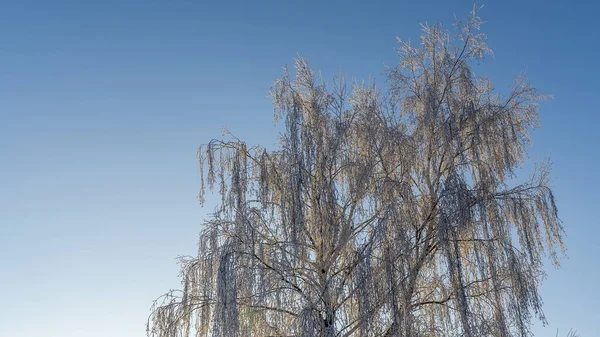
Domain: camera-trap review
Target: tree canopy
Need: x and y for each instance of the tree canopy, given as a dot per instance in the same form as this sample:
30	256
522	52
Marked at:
382	212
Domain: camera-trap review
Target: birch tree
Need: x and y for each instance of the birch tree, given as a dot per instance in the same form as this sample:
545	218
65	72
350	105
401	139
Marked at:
381	212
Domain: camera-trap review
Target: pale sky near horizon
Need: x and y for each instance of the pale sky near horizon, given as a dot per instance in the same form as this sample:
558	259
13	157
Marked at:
103	105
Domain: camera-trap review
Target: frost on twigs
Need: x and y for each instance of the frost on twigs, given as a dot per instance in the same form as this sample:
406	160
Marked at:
381	213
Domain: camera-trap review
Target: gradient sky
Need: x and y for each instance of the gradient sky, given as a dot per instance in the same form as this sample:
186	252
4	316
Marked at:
103	105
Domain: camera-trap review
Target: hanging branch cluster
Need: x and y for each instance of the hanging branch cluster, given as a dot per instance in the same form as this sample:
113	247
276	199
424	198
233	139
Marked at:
380	214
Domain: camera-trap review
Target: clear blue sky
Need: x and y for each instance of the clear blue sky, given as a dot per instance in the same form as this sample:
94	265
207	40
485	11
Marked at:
103	104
